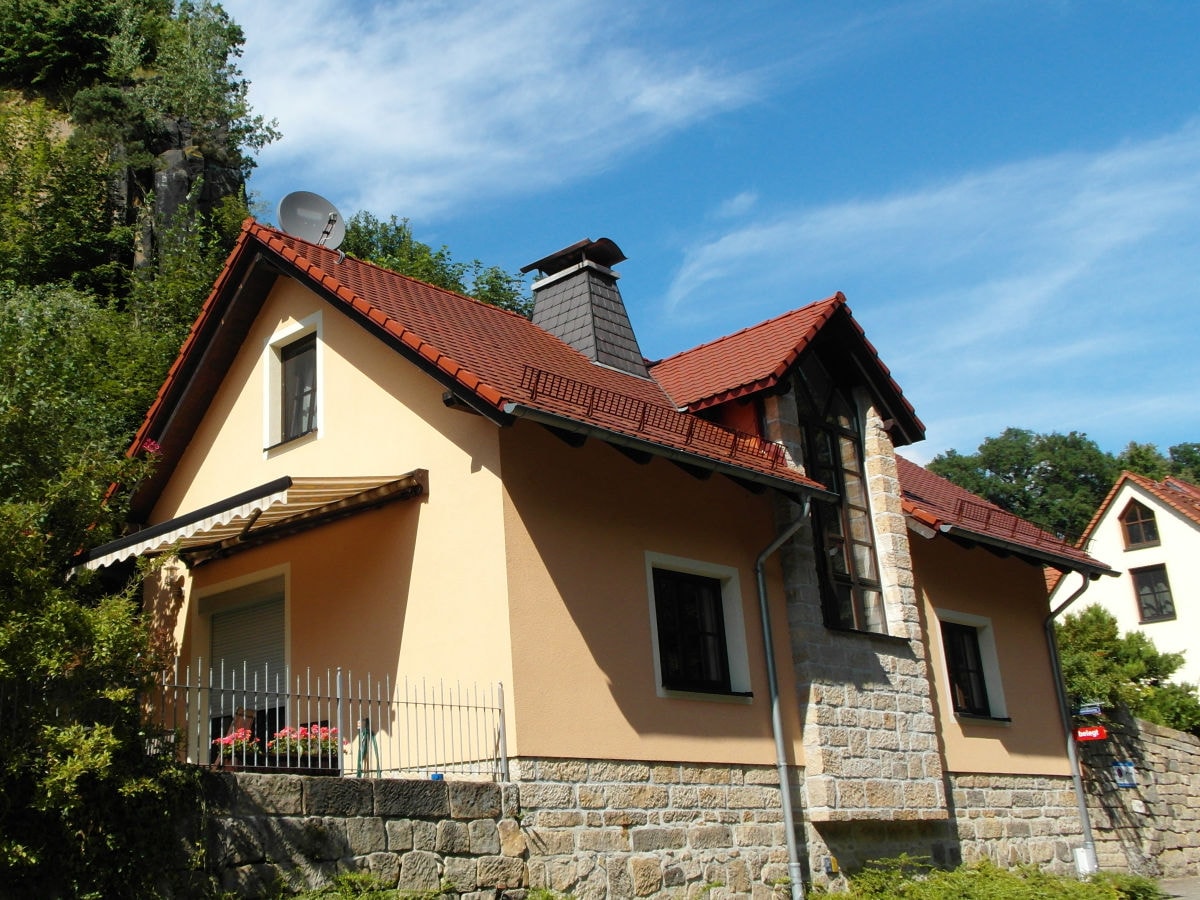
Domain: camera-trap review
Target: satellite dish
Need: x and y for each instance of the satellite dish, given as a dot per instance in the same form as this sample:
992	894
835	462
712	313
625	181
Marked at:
313	218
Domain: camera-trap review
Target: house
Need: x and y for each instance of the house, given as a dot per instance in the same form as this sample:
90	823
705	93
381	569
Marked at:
740	639
1150	531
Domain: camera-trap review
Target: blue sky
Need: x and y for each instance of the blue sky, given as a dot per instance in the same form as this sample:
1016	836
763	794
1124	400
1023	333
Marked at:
1007	192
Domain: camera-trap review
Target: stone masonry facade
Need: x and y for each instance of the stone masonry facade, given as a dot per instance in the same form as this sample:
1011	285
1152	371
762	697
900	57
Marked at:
869	733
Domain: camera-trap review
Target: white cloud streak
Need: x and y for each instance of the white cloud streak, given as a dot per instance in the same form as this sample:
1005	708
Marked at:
994	291
419	106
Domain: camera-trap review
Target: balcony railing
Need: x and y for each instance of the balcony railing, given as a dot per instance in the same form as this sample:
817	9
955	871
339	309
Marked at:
333	722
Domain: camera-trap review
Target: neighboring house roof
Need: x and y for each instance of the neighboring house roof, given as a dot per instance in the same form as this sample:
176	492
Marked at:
943	507
1179	495
495	361
757	358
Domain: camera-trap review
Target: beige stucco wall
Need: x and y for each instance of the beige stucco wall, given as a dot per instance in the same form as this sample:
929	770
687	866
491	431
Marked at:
1178	549
423	577
1012	594
579	522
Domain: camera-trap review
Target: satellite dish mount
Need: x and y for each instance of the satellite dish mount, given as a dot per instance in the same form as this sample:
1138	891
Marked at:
313	218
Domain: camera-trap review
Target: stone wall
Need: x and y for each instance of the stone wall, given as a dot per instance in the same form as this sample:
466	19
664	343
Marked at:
1017	820
1152	828
267	831
596	829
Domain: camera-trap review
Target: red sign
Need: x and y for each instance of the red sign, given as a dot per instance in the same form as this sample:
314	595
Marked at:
1091	733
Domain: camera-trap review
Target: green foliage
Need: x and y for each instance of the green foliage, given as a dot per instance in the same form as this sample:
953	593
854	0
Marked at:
1054	480
391	245
1123	671
194	77
58	217
914	879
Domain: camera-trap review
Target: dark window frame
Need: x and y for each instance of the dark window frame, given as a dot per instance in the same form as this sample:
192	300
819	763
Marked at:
298	388
1139	526
693	647
843	531
965	670
1162	601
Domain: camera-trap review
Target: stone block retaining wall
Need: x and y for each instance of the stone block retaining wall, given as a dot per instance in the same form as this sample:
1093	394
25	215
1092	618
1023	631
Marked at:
1154	827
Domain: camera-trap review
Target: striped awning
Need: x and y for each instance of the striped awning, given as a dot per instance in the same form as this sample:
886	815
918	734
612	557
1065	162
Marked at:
275	509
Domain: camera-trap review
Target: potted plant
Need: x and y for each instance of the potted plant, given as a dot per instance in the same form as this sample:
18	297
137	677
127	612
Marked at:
308	746
238	747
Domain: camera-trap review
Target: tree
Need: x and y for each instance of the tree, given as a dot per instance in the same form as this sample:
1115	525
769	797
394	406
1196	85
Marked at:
1054	480
1123	671
391	245
1185	462
1144	459
82	807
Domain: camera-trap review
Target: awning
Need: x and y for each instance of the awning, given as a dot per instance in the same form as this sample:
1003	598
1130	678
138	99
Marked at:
272	510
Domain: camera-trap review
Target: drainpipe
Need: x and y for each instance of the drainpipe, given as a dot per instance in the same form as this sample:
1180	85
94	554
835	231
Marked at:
795	872
1085	856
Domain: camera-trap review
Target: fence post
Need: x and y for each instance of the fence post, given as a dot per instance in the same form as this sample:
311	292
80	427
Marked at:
503	738
340	756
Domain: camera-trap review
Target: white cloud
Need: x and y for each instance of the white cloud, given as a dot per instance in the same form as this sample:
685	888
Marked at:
992	291
422	106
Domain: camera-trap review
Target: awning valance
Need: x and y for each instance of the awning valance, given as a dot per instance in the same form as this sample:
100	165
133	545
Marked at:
271	510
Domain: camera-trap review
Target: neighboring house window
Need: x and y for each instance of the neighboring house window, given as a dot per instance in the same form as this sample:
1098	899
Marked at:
699	635
1153	593
292	394
299	360
847	566
972	667
1139	526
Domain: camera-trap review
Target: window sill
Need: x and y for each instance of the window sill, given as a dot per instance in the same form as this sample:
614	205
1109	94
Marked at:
1157	619
291	441
717	696
972	719
1129	547
880	635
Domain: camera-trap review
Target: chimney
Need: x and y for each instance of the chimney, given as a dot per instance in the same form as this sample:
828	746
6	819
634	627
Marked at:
577	301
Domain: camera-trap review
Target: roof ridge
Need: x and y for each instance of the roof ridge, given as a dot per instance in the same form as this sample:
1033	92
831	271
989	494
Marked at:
255	225
836	299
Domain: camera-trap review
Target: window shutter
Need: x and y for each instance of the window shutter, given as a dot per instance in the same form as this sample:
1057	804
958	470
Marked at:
248	658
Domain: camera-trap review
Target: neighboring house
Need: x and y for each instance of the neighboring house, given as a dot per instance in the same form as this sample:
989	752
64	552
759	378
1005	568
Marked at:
1150	531
359	469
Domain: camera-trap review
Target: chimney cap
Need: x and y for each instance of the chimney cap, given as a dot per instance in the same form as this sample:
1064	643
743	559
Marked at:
603	251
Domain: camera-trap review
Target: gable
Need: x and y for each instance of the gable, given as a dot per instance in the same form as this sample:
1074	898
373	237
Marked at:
759	359
492	361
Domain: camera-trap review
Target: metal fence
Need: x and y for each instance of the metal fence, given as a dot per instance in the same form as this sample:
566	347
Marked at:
328	723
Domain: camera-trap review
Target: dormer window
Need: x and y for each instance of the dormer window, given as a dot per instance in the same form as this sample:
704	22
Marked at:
1139	526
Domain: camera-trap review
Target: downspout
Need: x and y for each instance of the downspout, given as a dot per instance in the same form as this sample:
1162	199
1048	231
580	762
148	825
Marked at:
795	872
1085	856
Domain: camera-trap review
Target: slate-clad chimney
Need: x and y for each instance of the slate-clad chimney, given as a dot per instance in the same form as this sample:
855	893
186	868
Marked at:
577	301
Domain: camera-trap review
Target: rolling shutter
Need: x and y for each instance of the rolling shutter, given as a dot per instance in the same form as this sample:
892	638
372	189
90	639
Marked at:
248	661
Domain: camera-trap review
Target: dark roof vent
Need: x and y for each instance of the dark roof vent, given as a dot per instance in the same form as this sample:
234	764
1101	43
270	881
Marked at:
577	301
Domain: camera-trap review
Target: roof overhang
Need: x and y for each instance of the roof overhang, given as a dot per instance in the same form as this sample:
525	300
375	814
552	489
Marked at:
1035	555
267	512
694	460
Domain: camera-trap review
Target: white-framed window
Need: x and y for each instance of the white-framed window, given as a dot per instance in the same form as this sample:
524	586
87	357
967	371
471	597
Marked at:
292	395
698	632
972	666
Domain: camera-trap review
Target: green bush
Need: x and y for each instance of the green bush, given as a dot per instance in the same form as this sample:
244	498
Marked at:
912	878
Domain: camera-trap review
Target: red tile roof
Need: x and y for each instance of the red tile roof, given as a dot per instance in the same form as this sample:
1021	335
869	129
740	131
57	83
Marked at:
498	358
756	358
943	506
